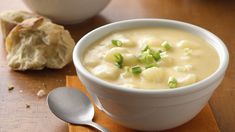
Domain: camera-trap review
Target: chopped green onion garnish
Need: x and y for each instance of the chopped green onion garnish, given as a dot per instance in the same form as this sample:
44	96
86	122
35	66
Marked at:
149	56
188	51
146	57
172	82
156	55
136	70
146	48
117	43
118	60
166	45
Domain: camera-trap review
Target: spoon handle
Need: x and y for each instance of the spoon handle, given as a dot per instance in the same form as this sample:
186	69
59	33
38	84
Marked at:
97	126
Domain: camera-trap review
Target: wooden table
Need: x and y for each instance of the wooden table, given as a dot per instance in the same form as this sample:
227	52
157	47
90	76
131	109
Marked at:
216	16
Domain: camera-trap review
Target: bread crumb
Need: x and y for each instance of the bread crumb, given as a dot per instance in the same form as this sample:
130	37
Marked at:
41	93
27	105
10	87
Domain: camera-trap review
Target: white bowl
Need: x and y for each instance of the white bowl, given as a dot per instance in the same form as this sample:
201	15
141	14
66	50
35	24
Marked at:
67	11
150	109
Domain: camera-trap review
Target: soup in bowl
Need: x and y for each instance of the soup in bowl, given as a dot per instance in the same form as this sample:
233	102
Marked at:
151	58
150	74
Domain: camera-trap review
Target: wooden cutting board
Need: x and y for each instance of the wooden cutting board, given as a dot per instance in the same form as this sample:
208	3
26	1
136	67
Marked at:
204	121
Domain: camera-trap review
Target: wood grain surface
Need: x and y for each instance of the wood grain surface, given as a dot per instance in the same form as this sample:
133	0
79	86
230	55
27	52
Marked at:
204	121
218	16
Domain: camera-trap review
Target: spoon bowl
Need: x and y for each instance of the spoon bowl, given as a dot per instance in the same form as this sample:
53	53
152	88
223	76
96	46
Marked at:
71	105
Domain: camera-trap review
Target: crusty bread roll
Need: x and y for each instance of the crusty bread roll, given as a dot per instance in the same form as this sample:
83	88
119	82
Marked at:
9	19
37	43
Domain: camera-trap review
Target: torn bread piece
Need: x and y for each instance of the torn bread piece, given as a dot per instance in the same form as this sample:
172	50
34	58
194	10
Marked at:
41	93
37	43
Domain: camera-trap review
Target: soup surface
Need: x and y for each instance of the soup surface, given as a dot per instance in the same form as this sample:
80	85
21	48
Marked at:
151	58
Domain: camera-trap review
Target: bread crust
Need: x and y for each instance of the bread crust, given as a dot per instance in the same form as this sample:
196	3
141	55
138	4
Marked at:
9	19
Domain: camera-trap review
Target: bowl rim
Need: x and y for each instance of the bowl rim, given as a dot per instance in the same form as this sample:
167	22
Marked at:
202	84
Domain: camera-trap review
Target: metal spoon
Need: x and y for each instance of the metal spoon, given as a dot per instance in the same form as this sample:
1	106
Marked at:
71	105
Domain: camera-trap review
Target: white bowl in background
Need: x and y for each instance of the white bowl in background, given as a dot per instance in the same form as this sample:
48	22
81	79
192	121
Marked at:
150	109
67	11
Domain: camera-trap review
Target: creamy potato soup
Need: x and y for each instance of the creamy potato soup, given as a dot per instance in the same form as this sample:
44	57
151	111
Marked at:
151	58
